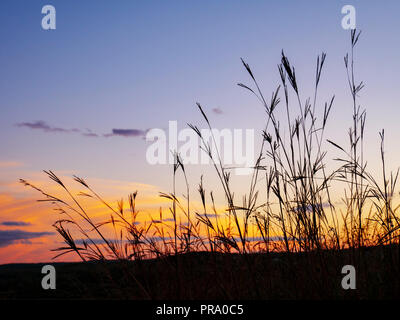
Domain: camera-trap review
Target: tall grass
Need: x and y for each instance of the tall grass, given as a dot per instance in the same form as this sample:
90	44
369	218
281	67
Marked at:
299	212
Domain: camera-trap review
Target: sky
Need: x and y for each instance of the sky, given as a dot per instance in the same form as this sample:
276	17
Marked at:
79	99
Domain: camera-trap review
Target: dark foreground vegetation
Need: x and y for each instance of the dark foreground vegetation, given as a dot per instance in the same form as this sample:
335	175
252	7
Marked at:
299	223
202	275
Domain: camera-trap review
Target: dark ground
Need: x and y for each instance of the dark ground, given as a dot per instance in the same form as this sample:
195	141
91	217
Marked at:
314	275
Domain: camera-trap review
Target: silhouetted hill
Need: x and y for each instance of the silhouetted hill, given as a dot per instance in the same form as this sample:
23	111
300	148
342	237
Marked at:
204	275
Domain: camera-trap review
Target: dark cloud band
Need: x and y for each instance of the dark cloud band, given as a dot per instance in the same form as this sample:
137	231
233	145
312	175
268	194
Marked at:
8	237
43	126
15	223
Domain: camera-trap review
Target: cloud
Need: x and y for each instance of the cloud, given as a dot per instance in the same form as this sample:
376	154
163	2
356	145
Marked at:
209	215
217	111
15	223
42	125
45	127
8	237
90	133
309	208
101	241
272	239
126	133
163	220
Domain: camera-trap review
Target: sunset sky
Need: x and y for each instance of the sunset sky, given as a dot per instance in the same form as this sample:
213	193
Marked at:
79	99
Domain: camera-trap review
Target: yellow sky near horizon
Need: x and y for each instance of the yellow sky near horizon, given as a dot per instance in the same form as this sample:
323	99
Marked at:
29	222
20	211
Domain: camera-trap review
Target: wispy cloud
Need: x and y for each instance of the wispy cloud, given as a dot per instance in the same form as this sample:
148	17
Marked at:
90	133
309	208
126	133
8	237
217	111
101	241
15	223
43	126
163	220
209	215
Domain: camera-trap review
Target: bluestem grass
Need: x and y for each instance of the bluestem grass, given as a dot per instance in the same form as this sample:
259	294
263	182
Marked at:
298	213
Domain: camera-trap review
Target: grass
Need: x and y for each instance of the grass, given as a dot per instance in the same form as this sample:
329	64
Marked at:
303	236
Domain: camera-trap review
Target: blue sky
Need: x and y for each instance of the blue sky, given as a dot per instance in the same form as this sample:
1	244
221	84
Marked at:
137	64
